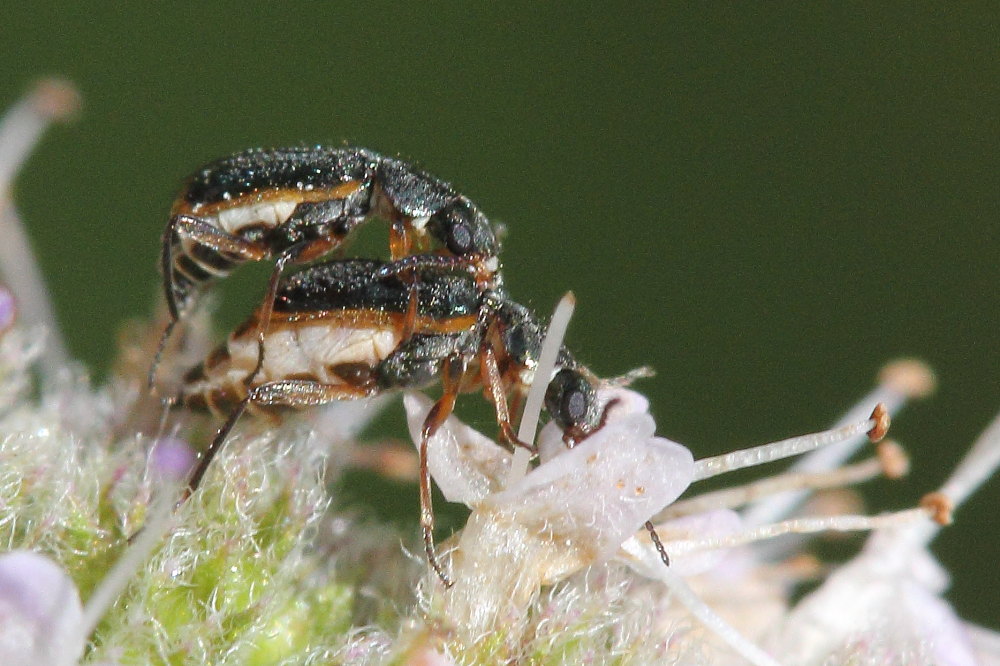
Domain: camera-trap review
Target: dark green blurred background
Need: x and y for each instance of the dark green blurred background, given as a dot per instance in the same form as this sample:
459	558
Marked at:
764	204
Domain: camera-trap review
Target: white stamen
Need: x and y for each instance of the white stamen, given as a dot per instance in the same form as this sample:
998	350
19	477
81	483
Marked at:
978	465
25	122
899	381
20	129
846	523
867	589
536	393
758	455
733	497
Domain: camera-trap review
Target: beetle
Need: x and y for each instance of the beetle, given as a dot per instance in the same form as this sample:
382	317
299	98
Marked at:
350	329
295	205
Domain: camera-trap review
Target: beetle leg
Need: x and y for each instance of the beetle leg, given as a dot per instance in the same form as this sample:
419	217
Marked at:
197	230
301	252
515	405
330	223
283	393
400	242
176	283
267	309
453	371
423	261
158	354
495	391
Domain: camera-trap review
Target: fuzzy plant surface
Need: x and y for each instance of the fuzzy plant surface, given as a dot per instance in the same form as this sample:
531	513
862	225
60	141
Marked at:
563	559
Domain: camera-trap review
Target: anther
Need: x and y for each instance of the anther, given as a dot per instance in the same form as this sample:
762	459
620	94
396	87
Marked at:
892	456
940	507
56	99
909	377
880	415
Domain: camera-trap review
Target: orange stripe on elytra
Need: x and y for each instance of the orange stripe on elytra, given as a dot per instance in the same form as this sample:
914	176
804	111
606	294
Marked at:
367	319
270	195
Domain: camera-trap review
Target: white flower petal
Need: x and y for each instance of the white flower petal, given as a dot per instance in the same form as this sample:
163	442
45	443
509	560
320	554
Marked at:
717	523
874	607
466	465
599	493
40	612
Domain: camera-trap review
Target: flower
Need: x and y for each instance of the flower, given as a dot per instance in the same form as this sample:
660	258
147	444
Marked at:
554	565
40	612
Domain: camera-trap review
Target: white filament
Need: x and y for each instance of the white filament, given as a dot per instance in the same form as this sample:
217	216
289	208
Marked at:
702	611
843	523
536	393
20	129
733	497
899	382
758	455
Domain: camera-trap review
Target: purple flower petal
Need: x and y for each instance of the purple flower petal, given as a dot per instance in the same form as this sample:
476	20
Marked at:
172	458
8	309
40	612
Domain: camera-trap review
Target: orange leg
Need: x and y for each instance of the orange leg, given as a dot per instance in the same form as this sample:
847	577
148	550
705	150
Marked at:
493	384
201	232
454	369
400	245
286	393
400	242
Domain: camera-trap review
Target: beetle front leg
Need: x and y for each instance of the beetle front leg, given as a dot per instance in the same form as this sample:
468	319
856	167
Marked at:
453	372
493	385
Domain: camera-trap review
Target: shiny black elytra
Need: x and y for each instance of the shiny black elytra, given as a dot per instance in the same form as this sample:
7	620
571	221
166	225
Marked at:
294	205
350	329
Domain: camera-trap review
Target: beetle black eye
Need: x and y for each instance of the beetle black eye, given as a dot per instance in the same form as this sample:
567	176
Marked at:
574	407
459	238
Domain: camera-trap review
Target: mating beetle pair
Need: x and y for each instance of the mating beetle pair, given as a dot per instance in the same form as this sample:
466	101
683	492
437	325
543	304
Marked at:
354	328
298	204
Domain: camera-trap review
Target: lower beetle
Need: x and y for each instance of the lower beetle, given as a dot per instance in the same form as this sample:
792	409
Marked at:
350	329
